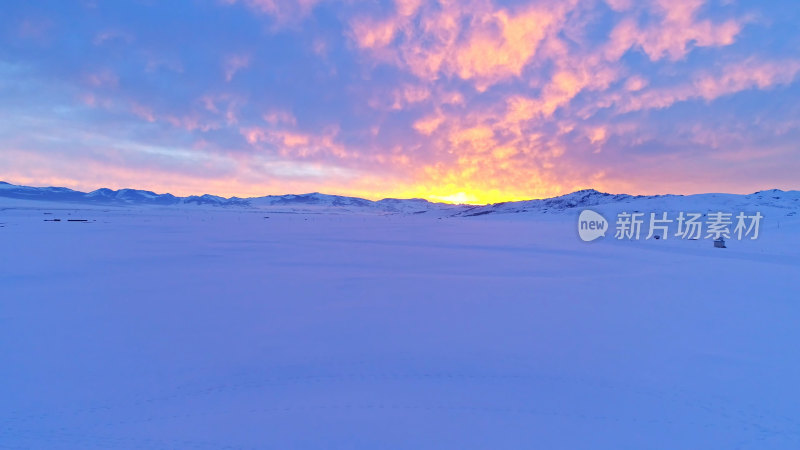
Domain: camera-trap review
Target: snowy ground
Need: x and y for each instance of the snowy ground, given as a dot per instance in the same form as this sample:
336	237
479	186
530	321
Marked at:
190	328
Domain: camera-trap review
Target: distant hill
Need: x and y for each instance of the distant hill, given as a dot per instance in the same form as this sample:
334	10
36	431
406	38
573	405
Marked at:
782	201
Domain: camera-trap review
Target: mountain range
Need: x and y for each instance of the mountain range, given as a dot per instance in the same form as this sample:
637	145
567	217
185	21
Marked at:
788	201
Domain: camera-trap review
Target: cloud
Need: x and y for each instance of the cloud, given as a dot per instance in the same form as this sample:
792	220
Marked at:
749	74
400	98
280	117
675	28
235	63
470	100
635	83
427	125
283	11
472	40
112	35
290	142
752	73
373	34
102	78
502	47
143	112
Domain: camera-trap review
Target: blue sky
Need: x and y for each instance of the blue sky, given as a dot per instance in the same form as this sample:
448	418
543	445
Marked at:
472	101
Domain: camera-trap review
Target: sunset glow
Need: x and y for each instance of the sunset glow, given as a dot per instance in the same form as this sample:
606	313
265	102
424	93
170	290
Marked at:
470	101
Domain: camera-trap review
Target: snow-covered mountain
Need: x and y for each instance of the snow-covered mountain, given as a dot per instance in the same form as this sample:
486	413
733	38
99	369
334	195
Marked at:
775	200
579	199
106	196
784	202
313	202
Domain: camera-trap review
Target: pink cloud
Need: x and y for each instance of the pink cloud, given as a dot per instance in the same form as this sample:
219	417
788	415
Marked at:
224	105
280	117
749	74
37	29
283	11
373	34
671	36
235	63
752	73
635	83
620	5
102	78
143	112
292	143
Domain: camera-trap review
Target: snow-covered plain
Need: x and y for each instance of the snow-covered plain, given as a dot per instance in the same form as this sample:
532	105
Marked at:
191	326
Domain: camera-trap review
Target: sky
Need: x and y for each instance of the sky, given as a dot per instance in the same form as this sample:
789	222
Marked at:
471	101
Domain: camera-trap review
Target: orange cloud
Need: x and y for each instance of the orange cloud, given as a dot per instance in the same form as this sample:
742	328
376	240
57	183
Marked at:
496	45
429	124
503	47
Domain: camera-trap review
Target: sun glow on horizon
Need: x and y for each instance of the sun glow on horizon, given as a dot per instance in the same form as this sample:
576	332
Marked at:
460	198
232	188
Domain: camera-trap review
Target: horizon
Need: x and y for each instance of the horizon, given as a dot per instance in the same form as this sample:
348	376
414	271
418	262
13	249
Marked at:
392	198
469	102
